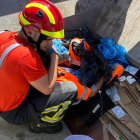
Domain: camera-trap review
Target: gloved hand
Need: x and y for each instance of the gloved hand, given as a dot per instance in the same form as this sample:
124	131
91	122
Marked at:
52	50
108	74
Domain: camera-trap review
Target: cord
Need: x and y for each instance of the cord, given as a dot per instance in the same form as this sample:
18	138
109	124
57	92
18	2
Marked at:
100	92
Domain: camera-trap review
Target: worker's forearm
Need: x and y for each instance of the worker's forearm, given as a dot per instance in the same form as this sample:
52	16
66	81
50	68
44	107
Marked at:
52	71
96	87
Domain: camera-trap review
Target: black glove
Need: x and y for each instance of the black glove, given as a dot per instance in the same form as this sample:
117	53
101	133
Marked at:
52	50
108	74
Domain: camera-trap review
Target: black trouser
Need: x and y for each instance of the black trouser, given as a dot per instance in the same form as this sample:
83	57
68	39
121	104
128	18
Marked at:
43	108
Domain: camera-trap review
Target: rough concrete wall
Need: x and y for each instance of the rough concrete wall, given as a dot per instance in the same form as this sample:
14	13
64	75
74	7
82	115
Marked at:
111	20
67	8
72	7
120	20
86	5
131	33
86	11
78	13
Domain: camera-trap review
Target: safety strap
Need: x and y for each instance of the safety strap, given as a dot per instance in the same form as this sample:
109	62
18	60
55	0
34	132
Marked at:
82	97
10	48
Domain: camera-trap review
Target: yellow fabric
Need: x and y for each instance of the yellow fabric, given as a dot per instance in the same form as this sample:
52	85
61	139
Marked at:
58	111
58	34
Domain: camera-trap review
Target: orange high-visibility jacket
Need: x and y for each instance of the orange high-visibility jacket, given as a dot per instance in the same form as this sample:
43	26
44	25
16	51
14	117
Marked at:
83	92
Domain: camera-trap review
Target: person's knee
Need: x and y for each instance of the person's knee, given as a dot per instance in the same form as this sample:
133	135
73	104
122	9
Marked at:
69	89
68	86
63	91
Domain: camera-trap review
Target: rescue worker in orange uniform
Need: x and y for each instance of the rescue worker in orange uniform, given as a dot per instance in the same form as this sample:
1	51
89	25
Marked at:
29	91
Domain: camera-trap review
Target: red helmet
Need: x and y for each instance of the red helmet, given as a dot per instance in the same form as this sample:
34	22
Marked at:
43	17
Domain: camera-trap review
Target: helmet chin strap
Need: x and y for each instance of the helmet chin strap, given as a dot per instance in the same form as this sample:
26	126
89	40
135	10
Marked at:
36	43
31	40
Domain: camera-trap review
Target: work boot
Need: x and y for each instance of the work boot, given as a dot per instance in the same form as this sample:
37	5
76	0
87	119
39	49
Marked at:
34	127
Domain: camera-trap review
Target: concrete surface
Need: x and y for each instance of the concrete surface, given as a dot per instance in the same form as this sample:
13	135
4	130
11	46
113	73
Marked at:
73	7
9	10
12	132
119	19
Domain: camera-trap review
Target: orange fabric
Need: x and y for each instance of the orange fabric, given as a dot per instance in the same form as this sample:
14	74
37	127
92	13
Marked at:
69	77
21	65
88	47
118	71
73	56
